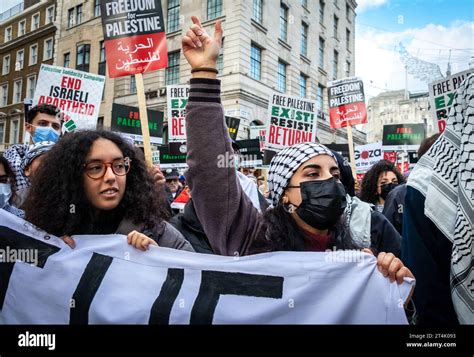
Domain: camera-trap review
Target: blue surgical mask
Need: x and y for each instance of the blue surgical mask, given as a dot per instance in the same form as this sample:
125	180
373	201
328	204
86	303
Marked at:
5	194
45	133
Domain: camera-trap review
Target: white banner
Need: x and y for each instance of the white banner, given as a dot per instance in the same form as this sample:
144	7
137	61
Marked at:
78	94
367	156
177	98
106	281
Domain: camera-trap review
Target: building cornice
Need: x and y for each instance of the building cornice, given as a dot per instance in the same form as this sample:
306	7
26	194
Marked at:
28	37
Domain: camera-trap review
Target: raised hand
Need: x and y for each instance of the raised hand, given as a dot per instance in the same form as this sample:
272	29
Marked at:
200	49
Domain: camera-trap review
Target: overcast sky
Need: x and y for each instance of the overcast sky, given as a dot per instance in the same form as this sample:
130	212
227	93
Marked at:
436	31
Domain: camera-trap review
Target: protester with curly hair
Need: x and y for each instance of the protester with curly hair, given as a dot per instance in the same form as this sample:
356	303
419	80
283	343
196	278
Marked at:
378	182
93	182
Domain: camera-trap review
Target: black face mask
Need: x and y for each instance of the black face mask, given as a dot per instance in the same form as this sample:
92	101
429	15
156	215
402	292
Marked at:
386	188
323	202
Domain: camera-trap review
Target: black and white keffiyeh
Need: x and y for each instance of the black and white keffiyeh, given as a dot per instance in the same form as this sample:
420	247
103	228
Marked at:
445	176
287	161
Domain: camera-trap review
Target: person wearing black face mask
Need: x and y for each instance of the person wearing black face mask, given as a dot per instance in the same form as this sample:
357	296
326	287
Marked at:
323	202
378	182
306	216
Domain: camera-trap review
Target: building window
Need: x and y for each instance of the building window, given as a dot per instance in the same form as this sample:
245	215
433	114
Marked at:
83	57
102	51
8	34
348	39
70	18
257	11
35	21
172	71
33	54
102	69
336	25
303	84
283	22
220	59
48	49
133	84
320	98
17	91
214	9
348	68
321	52
49	15
304	39
348	12
281	84
15	132
78	14
2	132
335	64
304	3
321	11
20	57
6	65
67	60
336	3
30	87
255	62
96	8
4	96
21	28
173	15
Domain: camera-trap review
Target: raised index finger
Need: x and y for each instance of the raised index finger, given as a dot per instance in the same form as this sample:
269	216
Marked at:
196	21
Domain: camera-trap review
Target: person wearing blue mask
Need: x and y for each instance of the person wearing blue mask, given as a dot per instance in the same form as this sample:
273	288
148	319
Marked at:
43	123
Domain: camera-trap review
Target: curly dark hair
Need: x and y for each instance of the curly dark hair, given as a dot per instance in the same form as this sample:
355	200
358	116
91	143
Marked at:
59	183
368	190
281	233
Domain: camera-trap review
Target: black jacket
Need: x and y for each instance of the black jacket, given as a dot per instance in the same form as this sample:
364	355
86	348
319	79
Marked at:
393	207
190	227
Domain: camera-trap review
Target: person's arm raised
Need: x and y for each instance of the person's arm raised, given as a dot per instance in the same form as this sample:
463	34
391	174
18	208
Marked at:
225	212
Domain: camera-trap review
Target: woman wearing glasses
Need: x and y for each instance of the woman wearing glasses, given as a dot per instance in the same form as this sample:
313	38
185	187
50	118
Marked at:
93	182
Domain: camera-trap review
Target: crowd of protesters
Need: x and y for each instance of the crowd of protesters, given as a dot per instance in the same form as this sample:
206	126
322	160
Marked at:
95	182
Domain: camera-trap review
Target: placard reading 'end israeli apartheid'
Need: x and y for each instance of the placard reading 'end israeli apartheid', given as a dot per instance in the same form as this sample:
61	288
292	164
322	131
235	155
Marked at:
135	38
402	136
346	102
104	280
291	120
77	94
126	120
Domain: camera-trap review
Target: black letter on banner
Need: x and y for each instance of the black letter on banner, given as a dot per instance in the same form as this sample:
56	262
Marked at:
216	283
161	309
16	240
87	288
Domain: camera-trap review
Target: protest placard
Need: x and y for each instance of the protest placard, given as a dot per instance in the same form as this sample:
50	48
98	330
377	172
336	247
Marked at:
176	99
77	94
126	120
442	96
291	120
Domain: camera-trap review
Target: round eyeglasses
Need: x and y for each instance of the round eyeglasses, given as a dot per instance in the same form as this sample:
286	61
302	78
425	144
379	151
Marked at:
97	169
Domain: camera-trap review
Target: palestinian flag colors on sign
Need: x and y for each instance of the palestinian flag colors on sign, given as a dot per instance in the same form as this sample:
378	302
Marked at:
135	38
